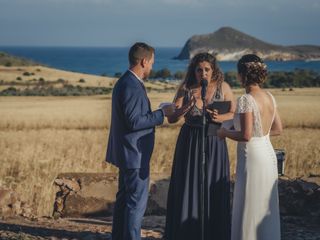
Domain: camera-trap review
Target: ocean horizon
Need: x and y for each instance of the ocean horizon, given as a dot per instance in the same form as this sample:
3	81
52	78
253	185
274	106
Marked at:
111	60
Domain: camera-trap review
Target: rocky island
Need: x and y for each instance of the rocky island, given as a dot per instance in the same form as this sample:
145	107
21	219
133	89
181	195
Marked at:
229	44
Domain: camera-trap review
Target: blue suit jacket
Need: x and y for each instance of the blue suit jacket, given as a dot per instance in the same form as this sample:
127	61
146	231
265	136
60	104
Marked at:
131	136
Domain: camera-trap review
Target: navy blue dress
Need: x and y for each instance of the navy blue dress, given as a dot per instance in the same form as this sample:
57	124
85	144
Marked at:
183	204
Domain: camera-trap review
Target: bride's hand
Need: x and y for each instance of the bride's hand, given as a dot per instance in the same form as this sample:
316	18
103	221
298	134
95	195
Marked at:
221	133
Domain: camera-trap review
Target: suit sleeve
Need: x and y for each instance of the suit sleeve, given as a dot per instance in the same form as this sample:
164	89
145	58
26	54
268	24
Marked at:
136	112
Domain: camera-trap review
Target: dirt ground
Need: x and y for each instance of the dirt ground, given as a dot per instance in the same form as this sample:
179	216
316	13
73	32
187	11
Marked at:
292	228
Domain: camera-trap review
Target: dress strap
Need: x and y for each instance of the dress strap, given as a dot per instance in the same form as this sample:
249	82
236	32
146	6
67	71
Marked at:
218	94
274	109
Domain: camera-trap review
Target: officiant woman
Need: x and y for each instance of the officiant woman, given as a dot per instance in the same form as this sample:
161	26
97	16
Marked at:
183	204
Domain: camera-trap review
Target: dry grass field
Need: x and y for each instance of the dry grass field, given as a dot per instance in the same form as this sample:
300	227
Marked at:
25	76
41	137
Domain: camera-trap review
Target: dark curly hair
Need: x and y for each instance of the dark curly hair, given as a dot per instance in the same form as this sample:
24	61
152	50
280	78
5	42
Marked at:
252	70
190	78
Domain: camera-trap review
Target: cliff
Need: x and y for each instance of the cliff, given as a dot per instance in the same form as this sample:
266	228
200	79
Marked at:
229	44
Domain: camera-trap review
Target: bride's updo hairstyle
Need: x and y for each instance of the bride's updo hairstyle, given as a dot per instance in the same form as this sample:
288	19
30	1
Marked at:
252	70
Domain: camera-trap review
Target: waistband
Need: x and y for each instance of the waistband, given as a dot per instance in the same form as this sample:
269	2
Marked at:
211	128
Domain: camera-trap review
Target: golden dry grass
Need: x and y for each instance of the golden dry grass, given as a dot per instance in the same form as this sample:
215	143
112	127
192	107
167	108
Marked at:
41	137
10	75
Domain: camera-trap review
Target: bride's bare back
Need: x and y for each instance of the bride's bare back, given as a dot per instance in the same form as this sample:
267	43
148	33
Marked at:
267	108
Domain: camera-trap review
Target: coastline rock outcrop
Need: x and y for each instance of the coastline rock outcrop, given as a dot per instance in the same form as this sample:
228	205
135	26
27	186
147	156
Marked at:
229	44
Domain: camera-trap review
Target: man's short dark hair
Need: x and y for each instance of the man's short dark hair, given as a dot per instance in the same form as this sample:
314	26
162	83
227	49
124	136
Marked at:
140	51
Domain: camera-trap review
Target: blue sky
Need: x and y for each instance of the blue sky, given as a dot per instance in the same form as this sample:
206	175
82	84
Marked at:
158	22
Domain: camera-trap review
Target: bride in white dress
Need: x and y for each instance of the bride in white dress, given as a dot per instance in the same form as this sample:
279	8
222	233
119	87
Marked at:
255	214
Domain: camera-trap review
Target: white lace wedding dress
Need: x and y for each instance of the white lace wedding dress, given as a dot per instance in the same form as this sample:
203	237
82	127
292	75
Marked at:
255	214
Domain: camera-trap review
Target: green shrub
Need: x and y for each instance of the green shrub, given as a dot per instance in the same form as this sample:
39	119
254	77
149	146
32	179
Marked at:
26	74
163	73
117	74
179	75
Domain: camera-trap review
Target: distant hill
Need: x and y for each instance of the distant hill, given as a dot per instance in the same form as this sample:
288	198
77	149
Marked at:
229	44
9	60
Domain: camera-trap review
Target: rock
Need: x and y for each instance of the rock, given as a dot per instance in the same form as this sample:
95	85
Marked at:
71	184
229	44
299	197
157	202
92	195
308	187
11	205
85	194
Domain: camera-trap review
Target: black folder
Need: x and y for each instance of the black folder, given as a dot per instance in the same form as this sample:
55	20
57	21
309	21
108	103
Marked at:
222	107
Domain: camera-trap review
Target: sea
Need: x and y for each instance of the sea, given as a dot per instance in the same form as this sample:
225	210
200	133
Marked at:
111	60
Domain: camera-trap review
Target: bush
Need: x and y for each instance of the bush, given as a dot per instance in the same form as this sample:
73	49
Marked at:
11	91
163	73
19	78
67	90
152	74
231	79
82	80
8	64
280	79
179	75
117	74
26	74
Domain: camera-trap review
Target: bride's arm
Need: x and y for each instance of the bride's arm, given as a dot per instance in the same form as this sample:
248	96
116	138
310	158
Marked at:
276	128
246	121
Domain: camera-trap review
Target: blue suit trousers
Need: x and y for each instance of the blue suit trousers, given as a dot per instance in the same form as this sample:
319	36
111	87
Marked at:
130	205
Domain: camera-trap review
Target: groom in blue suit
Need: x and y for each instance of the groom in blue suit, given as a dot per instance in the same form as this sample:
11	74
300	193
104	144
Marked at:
131	141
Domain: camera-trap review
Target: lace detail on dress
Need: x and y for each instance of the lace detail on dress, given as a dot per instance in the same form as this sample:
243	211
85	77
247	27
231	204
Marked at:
246	103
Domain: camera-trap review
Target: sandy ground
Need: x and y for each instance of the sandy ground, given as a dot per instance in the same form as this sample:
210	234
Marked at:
292	228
